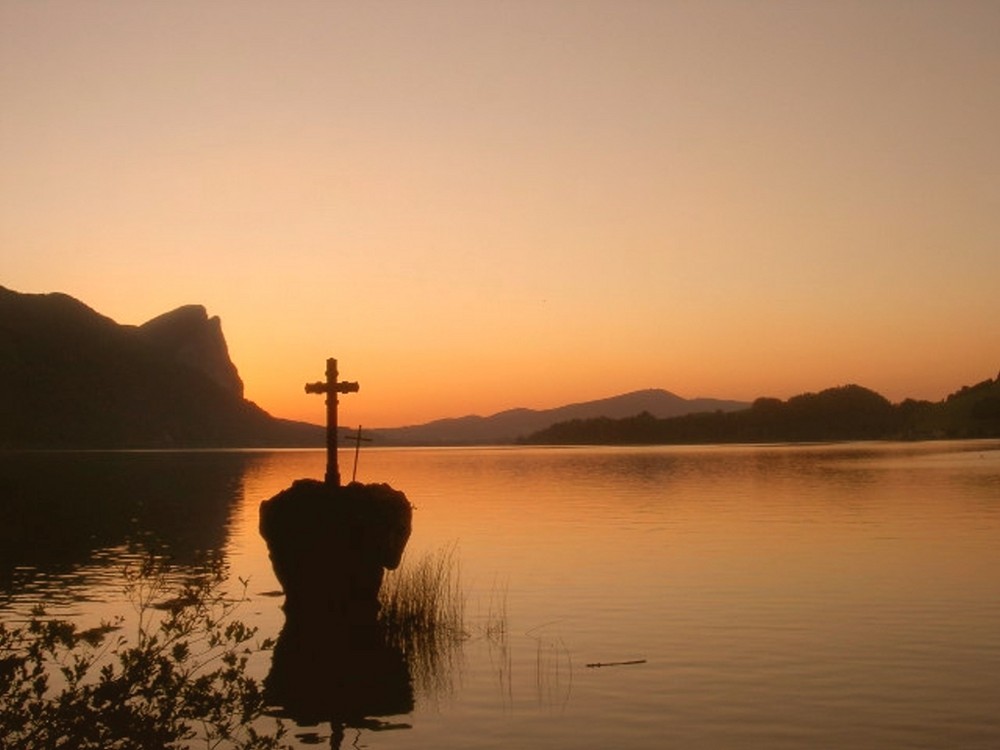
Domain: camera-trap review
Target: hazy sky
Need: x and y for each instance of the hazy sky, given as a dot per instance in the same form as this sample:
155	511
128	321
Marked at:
479	205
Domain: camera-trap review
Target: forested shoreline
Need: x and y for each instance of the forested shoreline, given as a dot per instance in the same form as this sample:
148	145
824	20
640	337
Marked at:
849	412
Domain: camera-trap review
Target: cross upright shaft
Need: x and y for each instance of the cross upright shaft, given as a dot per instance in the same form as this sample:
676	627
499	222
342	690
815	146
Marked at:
331	388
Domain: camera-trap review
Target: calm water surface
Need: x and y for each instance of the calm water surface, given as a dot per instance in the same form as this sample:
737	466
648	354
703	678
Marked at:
826	596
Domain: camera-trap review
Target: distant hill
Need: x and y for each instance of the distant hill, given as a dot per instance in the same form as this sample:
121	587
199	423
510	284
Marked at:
848	412
73	378
509	426
972	411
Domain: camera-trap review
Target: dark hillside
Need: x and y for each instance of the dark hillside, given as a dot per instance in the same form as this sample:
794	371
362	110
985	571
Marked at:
72	378
970	412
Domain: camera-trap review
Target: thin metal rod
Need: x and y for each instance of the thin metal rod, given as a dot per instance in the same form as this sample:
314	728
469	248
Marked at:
357	450
332	469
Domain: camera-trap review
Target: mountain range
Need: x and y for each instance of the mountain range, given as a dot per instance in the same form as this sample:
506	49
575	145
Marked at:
73	378
514	424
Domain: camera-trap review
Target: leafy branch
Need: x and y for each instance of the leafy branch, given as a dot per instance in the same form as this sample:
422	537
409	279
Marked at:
181	682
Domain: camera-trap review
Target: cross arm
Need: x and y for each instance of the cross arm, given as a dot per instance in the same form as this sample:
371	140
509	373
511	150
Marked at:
345	387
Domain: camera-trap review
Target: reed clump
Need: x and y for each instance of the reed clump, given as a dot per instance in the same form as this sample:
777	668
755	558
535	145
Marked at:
423	614
423	599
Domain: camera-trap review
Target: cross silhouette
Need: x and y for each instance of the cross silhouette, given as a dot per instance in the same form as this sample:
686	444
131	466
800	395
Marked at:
331	388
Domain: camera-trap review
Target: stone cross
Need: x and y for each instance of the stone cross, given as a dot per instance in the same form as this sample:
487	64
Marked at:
331	388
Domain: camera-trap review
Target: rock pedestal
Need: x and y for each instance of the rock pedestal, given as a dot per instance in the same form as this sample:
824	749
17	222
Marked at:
330	545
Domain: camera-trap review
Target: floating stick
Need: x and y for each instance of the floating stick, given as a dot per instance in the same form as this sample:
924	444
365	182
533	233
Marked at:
615	663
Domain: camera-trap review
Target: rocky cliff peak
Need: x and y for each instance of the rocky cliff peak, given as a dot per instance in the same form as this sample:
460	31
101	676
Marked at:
189	336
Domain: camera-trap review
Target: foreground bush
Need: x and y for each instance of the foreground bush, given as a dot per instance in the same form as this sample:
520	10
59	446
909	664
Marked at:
181	682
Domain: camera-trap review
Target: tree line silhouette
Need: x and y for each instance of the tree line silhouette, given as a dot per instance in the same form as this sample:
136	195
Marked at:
849	412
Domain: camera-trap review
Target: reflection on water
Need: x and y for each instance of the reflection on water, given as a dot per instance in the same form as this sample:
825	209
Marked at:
343	673
70	520
821	596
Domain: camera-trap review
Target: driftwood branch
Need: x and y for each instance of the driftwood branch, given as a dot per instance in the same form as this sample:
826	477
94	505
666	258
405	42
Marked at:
615	663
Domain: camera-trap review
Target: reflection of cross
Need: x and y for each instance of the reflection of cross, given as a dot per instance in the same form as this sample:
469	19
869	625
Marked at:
331	388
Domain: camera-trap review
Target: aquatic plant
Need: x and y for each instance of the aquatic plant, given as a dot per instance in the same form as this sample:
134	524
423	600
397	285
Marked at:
180	682
423	614
424	598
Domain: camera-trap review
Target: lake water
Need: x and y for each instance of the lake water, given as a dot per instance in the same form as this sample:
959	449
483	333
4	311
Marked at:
822	596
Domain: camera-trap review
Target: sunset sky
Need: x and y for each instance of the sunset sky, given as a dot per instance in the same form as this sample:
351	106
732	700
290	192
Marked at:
476	205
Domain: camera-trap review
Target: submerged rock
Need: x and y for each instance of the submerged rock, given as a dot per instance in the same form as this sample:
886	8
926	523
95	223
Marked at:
330	545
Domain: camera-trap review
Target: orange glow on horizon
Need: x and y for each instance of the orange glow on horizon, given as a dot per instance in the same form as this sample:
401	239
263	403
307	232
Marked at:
478	207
